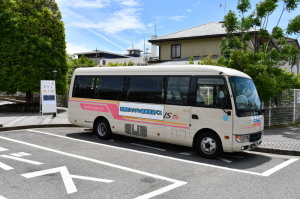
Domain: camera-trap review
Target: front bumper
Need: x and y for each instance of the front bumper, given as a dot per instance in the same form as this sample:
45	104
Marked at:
254	142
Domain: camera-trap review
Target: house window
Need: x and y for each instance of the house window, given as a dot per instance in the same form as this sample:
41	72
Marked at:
175	51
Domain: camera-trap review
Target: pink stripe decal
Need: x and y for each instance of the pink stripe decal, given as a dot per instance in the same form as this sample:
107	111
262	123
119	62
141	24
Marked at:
114	109
92	107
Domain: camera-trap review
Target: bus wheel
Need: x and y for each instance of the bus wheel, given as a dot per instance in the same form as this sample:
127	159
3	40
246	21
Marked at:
102	129
209	145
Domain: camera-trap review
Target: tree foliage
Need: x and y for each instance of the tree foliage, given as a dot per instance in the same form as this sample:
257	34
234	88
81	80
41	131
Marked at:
32	45
251	48
111	64
74	63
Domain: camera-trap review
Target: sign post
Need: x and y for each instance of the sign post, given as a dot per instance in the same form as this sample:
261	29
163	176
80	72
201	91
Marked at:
48	97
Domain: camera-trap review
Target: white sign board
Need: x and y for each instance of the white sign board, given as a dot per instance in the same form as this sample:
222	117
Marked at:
147	111
48	96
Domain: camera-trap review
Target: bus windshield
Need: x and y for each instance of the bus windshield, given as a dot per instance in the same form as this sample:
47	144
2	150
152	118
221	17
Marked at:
245	96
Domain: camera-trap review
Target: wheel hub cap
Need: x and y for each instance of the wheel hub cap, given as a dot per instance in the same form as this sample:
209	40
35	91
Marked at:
208	145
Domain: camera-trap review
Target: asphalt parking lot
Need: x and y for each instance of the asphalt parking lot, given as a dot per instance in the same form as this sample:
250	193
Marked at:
73	163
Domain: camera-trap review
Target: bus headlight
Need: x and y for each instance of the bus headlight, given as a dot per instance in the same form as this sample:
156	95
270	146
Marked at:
242	138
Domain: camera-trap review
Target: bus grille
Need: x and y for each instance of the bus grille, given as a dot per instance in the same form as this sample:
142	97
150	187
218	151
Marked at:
128	128
255	136
141	130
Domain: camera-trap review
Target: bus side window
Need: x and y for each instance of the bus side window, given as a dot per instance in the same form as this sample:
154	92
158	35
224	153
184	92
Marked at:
148	89
212	92
110	87
178	90
84	86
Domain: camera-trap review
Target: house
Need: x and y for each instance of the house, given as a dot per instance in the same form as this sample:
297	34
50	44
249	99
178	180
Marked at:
98	55
200	41
102	58
203	40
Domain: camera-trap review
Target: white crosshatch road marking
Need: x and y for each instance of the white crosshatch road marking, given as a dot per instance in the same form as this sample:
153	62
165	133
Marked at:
66	176
3	149
21	159
174	183
1	197
20	154
5	167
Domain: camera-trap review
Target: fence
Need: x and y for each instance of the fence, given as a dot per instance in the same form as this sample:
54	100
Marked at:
285	109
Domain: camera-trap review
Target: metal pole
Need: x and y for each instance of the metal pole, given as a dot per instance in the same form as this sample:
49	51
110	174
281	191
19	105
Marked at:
270	106
294	116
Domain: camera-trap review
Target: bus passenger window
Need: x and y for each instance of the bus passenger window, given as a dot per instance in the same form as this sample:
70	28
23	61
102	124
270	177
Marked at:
213	93
148	89
110	87
178	90
84	86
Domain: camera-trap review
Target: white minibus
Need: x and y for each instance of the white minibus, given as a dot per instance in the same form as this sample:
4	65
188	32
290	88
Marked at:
213	109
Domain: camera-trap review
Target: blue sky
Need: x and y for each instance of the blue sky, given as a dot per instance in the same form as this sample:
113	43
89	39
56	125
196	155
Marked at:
116	25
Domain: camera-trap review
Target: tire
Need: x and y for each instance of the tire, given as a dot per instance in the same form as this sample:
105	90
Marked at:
209	145
102	129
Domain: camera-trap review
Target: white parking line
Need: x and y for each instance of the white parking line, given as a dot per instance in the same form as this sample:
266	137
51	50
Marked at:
2	197
175	183
278	167
149	147
224	160
188	153
3	149
165	157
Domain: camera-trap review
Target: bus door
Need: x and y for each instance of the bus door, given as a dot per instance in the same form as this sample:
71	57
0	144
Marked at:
212	108
177	111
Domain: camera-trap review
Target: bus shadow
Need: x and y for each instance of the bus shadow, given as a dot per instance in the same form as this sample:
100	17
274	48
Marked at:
254	162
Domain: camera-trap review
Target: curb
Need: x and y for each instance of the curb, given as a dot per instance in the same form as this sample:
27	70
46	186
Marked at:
277	151
35	126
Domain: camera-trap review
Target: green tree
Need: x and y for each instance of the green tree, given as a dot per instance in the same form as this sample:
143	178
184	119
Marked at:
32	45
111	64
74	63
251	48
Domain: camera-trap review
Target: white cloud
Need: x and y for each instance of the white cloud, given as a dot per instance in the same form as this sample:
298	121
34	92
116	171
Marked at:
176	18
131	3
123	15
173	18
75	17
85	3
73	48
125	19
141	44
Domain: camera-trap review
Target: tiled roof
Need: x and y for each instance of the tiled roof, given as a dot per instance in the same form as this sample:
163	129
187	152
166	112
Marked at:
213	29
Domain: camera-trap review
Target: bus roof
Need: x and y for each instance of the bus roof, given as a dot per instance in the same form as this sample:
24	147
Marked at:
161	70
